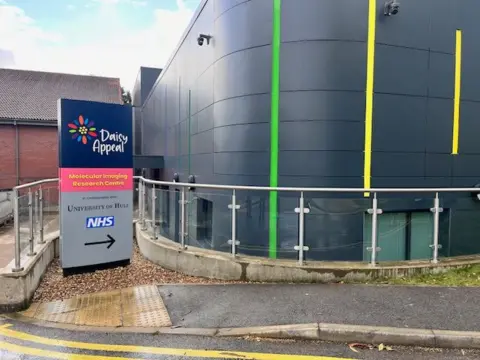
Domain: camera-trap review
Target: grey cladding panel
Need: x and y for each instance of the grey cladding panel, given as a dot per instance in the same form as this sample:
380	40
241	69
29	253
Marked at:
323	65
304	20
322	105
399	123
244	26
439	126
469	125
242	163
470	67
248	137
439	165
441	75
221	6
443	24
202	167
243	110
410	28
321	135
401	71
321	163
390	164
466	165
319	181
249	70
205	119
204	90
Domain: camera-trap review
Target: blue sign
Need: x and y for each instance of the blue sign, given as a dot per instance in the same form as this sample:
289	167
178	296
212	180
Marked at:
94	135
100	222
96	182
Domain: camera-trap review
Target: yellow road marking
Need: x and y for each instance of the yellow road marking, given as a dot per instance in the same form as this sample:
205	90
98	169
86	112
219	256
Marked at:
458	86
213	354
53	354
372	22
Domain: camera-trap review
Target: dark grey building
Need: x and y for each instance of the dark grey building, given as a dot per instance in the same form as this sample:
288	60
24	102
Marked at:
144	82
279	95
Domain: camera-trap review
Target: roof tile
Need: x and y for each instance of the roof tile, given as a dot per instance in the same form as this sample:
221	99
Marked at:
33	95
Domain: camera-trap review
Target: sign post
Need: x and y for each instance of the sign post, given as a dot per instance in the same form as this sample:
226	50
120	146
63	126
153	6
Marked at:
96	183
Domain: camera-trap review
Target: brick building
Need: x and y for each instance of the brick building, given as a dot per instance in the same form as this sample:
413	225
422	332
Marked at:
28	119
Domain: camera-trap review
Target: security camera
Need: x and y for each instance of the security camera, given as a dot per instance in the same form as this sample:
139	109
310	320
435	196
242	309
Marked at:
392	7
201	39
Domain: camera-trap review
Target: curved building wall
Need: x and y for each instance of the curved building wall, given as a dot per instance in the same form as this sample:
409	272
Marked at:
210	115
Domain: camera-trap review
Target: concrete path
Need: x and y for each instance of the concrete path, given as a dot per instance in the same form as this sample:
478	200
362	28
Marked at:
7	237
219	306
7	245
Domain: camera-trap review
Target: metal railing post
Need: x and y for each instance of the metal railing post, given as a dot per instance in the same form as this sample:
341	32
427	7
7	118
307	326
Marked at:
234	207
30	220
144	220
301	211
40	216
183	230
436	224
35	214
140	214
16	225
154	221
374	211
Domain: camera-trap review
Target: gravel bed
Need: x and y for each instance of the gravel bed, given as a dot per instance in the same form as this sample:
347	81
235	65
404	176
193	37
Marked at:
55	286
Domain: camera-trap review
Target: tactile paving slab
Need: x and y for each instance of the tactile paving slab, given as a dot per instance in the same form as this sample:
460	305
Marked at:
133	307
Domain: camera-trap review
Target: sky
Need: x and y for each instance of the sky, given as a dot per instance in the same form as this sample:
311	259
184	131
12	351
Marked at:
94	37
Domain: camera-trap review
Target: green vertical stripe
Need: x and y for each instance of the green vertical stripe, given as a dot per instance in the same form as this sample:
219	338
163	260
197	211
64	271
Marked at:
273	196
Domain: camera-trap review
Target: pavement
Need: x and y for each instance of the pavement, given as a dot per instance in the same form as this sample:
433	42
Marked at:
245	305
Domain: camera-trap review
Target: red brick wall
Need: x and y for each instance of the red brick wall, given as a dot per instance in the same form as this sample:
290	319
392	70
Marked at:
7	157
38	152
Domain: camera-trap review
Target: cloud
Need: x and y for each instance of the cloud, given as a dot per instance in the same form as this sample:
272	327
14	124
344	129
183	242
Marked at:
116	51
115	2
19	31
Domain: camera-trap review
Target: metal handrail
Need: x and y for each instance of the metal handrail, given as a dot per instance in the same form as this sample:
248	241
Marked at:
306	189
16	218
35	183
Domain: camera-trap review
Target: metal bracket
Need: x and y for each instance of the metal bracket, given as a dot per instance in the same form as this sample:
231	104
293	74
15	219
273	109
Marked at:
297	247
305	210
379	211
237	242
433	245
433	210
186	202
371	248
236	207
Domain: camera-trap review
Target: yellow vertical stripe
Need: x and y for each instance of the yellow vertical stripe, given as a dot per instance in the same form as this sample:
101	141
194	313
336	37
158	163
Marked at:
456	101
372	20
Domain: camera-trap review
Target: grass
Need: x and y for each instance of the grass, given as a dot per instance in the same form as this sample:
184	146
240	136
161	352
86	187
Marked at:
467	276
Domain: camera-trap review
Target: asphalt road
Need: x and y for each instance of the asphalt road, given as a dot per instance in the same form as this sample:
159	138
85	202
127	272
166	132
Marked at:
212	306
16	342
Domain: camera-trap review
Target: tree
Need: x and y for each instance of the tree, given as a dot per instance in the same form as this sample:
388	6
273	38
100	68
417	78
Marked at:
126	96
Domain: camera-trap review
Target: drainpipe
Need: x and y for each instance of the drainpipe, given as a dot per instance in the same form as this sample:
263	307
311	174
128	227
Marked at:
17	154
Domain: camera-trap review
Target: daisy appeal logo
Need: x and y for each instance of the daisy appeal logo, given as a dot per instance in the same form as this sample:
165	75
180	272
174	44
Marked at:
103	142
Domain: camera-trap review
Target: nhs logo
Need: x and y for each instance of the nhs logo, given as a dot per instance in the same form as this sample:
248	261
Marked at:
100	222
